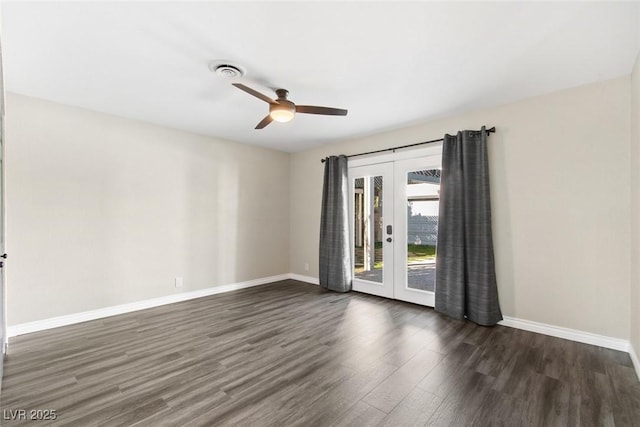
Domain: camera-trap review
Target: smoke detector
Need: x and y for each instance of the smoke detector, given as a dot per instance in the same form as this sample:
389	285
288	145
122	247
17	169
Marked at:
226	69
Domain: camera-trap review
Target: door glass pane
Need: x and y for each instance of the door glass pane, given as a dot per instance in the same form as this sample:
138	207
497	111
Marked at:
368	228
423	194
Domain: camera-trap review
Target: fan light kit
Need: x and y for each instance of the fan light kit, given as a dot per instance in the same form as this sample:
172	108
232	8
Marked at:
282	110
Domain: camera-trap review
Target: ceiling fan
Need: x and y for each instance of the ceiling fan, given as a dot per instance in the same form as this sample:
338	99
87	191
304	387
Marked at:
283	110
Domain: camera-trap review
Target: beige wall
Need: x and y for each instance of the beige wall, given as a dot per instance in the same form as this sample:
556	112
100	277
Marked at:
104	211
635	207
560	196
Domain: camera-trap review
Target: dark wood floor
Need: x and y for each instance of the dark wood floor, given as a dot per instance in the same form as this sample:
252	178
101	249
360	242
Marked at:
292	354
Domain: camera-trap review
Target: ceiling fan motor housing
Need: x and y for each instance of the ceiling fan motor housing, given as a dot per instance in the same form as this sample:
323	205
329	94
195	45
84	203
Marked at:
283	111
282	94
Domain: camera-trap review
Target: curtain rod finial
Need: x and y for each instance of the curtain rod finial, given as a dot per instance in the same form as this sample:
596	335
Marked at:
491	130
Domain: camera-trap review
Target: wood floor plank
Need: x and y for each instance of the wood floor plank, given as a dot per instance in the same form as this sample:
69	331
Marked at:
414	410
399	384
360	414
329	403
463	404
293	354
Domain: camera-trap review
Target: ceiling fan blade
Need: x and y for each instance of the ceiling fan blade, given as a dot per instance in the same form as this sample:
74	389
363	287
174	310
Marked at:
264	122
255	93
327	111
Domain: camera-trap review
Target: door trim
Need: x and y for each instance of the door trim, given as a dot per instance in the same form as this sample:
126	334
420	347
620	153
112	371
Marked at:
384	288
402	291
430	150
394	287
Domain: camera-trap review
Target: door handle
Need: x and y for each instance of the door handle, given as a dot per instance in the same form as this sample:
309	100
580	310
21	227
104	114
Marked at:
389	229
388	239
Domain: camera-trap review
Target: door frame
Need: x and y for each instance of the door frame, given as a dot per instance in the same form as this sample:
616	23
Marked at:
434	148
401	288
394	283
385	170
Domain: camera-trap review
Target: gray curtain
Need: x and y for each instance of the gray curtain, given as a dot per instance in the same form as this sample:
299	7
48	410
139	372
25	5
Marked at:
335	256
465	272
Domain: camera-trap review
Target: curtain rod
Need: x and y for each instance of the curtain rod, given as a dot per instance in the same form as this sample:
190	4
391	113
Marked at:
492	130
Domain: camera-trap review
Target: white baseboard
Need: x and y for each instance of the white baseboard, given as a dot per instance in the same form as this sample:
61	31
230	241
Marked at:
54	322
307	279
566	333
634	359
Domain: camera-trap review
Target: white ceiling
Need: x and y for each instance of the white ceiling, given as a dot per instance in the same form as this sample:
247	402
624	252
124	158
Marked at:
390	64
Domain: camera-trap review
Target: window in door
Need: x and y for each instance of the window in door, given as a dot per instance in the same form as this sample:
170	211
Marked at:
368	224
423	195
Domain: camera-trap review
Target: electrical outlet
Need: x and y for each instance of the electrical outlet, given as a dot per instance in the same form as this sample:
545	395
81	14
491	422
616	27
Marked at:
306	266
178	282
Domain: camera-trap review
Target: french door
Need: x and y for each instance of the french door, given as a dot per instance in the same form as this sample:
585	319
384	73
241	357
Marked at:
394	225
